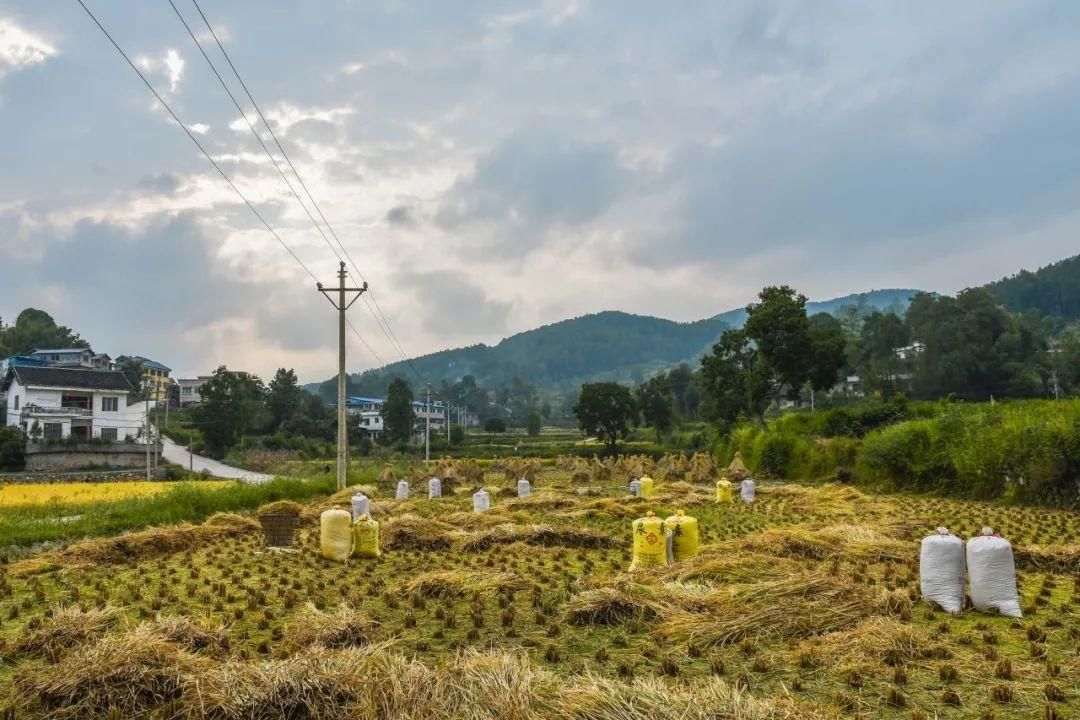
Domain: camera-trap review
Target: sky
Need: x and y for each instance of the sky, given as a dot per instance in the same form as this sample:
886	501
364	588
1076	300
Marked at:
494	166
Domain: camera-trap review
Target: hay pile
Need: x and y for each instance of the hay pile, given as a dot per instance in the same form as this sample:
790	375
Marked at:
340	628
798	606
1063	559
456	583
202	636
543	535
410	532
67	628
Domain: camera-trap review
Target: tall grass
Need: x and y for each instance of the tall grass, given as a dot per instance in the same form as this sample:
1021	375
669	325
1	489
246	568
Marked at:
185	501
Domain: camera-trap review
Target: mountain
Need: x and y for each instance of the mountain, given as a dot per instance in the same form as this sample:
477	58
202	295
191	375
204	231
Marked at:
1053	290
602	346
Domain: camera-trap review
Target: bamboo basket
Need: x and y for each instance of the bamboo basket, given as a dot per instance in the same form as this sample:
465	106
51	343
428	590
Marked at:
279	529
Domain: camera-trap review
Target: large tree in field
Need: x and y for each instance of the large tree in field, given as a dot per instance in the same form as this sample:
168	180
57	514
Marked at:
135	372
36	330
397	412
232	403
654	398
736	380
607	410
874	352
827	351
283	398
779	327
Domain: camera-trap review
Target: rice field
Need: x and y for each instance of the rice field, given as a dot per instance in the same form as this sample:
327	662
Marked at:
804	604
83	493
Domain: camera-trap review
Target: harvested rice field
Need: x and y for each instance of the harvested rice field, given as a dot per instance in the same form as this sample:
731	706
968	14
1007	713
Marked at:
84	493
803	604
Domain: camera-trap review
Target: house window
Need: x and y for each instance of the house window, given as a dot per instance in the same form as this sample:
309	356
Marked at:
109	404
16	402
75	401
52	431
108	433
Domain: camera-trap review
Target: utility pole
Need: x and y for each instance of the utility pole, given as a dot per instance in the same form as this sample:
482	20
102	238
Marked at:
446	416
146	396
427	426
341	306
190	452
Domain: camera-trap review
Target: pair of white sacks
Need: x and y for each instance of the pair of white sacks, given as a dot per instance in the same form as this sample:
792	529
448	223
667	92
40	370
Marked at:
989	567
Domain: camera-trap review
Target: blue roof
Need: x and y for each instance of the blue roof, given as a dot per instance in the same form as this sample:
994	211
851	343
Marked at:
153	364
25	361
359	400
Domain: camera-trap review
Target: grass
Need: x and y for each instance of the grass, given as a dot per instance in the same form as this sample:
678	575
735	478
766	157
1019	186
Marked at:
71	519
802	605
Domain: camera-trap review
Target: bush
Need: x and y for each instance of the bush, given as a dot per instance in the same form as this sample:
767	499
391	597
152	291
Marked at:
12	448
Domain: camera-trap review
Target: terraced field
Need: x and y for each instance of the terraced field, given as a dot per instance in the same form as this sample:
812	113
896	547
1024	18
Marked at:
804	604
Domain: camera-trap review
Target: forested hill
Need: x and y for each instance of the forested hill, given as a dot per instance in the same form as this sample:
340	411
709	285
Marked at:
1053	290
602	346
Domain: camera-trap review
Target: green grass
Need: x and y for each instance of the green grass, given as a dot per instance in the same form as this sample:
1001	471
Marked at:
183	502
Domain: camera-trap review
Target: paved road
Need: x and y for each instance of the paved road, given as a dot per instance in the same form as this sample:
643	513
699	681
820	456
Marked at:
178	455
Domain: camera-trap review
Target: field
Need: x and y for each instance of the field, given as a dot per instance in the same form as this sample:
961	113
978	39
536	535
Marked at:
82	493
804	604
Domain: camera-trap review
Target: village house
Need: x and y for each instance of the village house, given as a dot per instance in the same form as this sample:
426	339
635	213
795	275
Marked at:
157	376
70	402
189	390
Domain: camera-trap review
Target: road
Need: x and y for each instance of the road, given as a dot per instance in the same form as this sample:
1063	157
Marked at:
178	455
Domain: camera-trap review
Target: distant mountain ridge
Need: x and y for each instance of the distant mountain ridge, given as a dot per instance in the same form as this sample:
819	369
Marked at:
609	345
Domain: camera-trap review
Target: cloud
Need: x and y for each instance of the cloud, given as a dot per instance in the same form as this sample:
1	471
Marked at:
170	66
531	182
199	128
401	216
452	306
21	48
284	116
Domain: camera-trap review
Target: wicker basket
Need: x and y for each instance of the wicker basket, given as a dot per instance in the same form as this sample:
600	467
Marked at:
279	529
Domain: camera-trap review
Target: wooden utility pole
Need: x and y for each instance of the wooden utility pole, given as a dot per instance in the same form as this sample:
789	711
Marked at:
427	426
146	395
341	306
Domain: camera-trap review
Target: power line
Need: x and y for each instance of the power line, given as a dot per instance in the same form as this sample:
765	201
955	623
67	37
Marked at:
214	163
380	317
195	140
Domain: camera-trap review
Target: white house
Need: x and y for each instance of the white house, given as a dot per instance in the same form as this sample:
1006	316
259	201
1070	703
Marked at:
368	411
71	401
189	390
77	357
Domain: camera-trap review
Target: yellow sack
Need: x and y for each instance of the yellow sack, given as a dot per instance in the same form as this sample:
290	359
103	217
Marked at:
647	487
365	533
335	534
723	491
684	536
650	542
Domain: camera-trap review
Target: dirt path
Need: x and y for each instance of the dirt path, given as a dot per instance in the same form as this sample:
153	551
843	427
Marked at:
178	455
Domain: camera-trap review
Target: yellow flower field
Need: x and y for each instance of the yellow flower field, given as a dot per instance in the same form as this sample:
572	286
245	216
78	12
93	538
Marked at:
83	493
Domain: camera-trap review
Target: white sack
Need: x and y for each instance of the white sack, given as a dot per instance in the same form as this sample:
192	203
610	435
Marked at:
360	505
992	571
748	489
635	488
434	488
402	490
481	501
941	570
524	488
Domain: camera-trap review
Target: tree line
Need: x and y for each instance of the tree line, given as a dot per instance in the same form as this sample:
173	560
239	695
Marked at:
965	347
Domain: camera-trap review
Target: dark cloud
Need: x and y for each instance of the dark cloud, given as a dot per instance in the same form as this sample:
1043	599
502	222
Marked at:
165	183
452	306
401	216
532	181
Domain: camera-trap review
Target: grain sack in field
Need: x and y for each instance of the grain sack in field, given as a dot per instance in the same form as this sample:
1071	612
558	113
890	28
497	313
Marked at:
365	538
335	534
434	488
723	491
635	488
992	572
650	542
481	501
402	490
684	536
941	570
748	490
648	487
361	505
524	489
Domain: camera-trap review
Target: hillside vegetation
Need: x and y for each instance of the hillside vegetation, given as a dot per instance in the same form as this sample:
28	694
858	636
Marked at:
601	346
1021	451
1053	290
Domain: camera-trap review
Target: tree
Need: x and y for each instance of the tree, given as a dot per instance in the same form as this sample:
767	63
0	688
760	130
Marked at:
654	398
283	398
457	435
397	412
495	425
781	331
874	352
827	351
35	330
231	405
12	448
607	410
135	372
736	380
534	423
